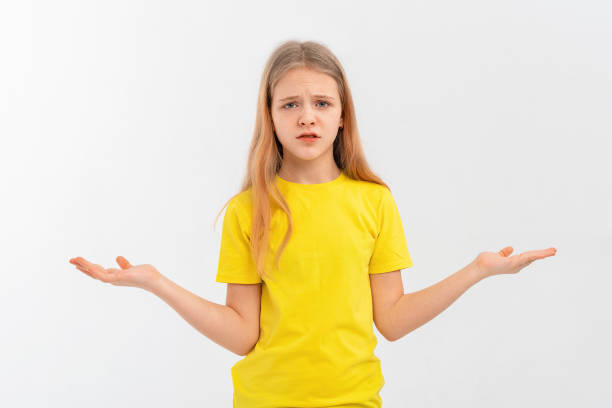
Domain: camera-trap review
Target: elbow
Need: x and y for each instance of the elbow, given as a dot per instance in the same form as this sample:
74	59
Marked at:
244	353
387	334
396	336
393	335
390	338
250	348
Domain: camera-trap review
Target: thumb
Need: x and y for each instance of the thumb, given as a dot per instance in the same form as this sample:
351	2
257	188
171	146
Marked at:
506	251
123	263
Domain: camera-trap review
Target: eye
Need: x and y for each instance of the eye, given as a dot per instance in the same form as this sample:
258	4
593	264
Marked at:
293	103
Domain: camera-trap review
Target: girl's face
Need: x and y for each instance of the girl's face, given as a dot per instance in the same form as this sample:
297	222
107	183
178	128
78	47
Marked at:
305	100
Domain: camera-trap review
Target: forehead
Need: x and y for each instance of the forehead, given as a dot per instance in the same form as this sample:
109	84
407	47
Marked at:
305	80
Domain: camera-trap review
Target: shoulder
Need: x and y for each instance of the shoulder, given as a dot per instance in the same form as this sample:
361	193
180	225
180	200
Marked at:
365	197
369	190
241	204
242	199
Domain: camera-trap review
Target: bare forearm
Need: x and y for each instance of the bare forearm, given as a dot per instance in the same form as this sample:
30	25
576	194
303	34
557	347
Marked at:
413	310
220	323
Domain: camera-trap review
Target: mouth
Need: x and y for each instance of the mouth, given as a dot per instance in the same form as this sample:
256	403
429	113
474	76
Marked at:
309	136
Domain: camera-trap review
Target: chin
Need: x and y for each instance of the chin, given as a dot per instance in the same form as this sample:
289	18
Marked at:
307	157
302	151
304	155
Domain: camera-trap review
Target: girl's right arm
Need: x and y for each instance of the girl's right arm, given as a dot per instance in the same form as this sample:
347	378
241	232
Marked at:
220	323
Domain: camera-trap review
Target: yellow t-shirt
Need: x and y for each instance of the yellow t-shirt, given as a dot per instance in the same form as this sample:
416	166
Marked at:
316	341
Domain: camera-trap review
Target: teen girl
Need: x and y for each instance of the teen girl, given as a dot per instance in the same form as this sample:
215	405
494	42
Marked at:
304	320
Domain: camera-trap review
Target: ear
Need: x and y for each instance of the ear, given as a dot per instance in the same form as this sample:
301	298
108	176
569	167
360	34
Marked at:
341	122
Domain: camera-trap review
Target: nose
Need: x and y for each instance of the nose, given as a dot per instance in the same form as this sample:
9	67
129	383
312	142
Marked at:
306	118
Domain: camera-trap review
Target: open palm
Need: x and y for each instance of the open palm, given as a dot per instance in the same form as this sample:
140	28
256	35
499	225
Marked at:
497	263
140	276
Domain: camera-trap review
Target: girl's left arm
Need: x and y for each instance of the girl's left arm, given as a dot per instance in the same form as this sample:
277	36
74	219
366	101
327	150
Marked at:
412	310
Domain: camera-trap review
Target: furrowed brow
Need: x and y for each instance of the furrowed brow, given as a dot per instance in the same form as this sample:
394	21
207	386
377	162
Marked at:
314	96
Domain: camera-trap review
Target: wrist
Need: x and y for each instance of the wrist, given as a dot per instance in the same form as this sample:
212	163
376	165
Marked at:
155	283
476	272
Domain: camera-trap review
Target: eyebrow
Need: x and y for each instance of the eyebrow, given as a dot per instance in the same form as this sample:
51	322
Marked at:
314	96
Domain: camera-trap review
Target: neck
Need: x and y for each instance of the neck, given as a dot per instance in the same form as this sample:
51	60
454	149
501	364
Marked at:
309	174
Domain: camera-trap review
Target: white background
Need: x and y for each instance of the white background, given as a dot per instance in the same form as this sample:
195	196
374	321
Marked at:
125	127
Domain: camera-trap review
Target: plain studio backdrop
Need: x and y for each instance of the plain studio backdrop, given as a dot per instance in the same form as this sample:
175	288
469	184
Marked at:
125	126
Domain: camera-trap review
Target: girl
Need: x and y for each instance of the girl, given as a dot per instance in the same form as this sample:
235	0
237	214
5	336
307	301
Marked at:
311	250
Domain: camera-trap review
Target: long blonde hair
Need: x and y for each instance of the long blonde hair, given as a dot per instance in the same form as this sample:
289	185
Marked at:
265	152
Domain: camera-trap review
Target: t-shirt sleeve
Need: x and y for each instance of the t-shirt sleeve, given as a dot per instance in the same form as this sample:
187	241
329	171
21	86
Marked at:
235	262
390	249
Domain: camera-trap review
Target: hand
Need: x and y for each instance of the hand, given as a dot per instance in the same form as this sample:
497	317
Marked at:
497	263
140	276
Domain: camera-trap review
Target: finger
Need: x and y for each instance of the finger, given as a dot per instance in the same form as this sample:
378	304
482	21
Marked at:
123	263
83	262
85	271
506	251
92	269
95	271
526	258
77	262
540	253
103	274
